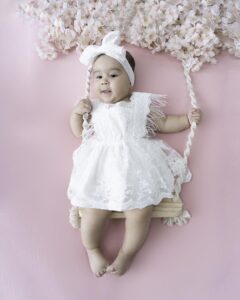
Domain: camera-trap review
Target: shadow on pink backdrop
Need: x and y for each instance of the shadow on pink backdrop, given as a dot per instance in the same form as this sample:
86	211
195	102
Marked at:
41	255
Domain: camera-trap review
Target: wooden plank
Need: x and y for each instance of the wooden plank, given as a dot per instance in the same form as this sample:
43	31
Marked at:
166	208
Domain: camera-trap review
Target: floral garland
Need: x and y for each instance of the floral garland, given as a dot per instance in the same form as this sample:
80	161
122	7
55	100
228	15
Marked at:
193	31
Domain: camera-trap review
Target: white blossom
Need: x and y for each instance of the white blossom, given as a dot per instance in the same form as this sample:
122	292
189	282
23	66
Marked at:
187	29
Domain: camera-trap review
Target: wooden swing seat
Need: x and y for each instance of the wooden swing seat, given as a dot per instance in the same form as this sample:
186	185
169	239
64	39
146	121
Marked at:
166	209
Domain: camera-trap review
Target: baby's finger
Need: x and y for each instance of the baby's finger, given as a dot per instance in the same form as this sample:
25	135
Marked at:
88	108
195	116
86	104
86	101
196	113
197	120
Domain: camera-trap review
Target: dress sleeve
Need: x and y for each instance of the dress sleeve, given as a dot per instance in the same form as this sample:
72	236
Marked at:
155	110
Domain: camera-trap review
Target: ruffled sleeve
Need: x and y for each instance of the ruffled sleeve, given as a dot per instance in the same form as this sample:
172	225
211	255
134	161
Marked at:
155	110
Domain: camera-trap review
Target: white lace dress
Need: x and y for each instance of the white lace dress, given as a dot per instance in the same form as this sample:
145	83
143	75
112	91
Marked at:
121	166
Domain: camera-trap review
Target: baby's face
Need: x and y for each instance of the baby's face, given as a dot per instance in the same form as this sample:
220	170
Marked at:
110	80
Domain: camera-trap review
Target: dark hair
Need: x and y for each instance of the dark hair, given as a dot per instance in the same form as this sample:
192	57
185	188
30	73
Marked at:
129	58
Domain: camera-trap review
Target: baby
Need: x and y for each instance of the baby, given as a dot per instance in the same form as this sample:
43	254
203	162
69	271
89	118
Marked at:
109	148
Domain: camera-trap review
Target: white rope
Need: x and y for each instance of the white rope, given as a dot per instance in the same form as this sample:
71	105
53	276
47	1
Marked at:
187	69
87	132
184	217
74	217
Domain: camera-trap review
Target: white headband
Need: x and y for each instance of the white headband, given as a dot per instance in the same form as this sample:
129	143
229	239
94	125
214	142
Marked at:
110	46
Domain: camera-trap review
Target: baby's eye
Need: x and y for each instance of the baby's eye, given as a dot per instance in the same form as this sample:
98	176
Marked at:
114	75
99	76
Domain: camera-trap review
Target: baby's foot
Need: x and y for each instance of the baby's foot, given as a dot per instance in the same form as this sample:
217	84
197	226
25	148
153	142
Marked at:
121	263
97	261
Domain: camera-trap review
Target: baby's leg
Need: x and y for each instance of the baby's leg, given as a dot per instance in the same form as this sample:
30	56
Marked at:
137	226
92	225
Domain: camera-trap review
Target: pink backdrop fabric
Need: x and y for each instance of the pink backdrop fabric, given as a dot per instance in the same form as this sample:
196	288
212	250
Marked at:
41	255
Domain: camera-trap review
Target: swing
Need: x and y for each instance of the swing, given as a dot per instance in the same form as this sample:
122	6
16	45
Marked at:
171	211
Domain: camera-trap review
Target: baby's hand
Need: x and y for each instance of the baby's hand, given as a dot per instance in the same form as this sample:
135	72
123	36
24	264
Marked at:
194	115
83	106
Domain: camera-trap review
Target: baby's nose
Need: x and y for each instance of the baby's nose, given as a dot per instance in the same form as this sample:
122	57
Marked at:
104	81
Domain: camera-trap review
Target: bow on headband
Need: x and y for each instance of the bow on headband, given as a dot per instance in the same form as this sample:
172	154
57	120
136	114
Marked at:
110	46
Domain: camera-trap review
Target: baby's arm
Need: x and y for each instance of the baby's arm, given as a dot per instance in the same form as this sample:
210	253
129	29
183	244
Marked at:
76	118
171	123
176	123
76	121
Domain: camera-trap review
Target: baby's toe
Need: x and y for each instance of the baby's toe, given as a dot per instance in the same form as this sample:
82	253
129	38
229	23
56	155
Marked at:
111	269
101	273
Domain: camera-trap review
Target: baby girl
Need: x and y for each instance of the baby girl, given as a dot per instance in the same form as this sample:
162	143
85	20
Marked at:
119	167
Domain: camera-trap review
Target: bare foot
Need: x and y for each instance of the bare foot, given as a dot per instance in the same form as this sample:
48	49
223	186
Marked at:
121	263
97	261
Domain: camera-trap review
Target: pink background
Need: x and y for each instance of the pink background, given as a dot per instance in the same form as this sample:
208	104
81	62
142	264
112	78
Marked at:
41	255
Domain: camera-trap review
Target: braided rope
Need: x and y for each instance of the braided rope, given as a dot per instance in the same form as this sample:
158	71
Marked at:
187	68
185	216
87	130
187	65
74	217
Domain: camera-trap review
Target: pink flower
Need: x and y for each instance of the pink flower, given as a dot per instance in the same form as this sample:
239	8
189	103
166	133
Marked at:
187	28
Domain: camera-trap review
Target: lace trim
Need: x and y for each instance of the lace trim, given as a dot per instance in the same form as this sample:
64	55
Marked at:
157	102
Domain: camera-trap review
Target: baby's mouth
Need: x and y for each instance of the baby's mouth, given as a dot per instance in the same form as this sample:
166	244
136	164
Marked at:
106	92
